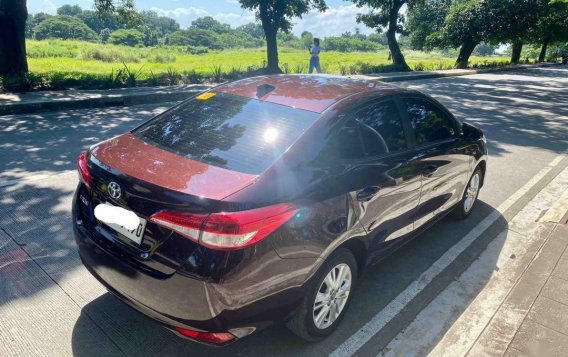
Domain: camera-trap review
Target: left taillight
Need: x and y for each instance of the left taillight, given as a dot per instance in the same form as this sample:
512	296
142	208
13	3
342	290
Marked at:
83	169
227	230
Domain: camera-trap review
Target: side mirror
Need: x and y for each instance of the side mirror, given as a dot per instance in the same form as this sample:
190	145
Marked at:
470	131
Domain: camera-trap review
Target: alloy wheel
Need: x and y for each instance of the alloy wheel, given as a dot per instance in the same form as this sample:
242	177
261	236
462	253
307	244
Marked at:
471	192
332	295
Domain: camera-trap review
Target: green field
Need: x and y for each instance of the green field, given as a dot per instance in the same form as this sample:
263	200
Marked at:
91	58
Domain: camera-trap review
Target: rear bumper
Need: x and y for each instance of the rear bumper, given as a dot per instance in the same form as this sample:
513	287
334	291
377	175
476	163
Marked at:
260	291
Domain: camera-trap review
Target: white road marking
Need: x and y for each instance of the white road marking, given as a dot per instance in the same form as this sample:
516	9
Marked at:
378	322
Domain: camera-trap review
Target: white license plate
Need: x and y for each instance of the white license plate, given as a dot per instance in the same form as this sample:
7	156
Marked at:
134	235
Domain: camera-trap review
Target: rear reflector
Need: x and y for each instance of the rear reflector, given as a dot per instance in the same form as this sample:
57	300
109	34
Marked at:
227	230
83	169
216	338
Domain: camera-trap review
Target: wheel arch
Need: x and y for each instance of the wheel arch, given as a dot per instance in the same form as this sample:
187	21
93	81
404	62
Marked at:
483	166
359	251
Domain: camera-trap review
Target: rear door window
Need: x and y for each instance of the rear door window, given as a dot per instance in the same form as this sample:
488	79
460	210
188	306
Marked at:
237	133
429	122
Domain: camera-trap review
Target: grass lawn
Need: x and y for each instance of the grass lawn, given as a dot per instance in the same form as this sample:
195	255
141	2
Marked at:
92	58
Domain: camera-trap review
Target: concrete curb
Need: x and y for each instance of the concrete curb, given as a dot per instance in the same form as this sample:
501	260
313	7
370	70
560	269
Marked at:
99	99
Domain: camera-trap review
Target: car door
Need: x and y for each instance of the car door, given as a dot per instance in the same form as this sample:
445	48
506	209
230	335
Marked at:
438	154
388	183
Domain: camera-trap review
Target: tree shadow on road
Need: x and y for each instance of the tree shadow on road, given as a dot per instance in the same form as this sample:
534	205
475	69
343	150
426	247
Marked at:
50	142
515	108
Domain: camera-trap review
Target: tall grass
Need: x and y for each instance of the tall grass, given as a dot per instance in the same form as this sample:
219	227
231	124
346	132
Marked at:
85	57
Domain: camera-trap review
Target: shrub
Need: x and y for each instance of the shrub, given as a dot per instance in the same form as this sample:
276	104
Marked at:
197	50
344	44
419	67
299	68
127	37
64	27
162	58
172	76
194	37
24	83
109	55
131	75
193	77
217	74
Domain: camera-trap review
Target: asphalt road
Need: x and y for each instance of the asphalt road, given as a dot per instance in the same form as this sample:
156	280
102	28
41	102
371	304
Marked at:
50	305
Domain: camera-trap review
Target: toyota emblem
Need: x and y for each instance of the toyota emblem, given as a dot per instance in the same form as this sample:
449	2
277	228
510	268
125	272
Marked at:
114	190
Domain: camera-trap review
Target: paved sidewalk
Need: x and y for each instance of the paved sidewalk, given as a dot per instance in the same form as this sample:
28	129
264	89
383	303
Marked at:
31	102
533	320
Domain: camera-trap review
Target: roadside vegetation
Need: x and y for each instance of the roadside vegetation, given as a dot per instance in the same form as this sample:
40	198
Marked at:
106	48
71	63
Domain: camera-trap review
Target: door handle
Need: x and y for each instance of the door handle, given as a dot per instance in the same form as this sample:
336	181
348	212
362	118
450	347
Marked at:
429	171
367	193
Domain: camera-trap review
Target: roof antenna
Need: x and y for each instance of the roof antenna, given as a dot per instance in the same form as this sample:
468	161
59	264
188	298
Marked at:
263	90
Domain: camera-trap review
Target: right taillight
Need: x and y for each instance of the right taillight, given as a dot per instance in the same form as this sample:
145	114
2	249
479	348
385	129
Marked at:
214	338
227	230
83	169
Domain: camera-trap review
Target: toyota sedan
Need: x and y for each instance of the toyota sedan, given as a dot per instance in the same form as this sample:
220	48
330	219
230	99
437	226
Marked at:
262	200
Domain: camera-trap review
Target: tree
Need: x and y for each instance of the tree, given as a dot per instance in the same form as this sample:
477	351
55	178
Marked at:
512	21
33	21
210	24
64	27
484	49
124	11
127	37
552	26
386	13
162	25
97	22
69	10
275	16
253	29
467	23
13	16
105	35
424	19
379	38
307	38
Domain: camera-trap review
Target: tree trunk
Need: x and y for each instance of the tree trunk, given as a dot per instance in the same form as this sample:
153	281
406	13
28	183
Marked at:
466	50
543	49
397	56
13	15
270	32
272	53
517	49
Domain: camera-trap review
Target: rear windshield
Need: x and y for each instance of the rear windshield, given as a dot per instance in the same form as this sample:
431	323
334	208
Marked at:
224	130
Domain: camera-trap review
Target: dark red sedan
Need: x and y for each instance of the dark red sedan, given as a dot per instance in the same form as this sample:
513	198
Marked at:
262	200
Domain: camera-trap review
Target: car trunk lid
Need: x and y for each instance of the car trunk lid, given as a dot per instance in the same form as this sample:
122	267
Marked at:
152	180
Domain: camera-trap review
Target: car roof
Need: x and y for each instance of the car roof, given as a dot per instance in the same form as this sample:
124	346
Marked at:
314	93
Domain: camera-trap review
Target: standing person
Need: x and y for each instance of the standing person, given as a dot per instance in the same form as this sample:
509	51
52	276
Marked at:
315	59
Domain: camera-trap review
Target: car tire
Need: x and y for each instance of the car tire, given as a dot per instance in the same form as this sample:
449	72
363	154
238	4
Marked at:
308	323
464	208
